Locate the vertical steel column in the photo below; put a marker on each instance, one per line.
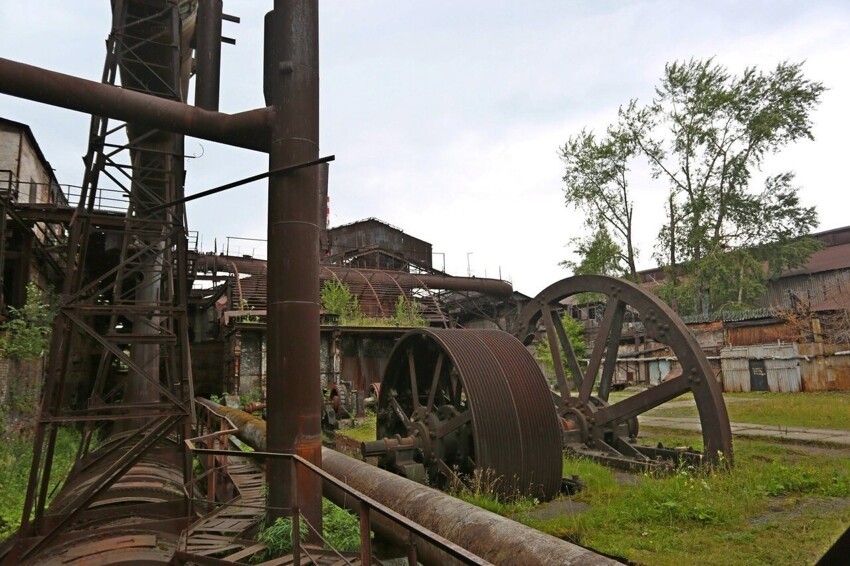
(291, 86)
(208, 54)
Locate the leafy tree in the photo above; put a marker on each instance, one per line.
(599, 253)
(705, 135)
(596, 182)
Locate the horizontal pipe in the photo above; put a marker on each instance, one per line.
(488, 535)
(249, 130)
(495, 287)
(492, 537)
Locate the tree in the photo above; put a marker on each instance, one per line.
(706, 135)
(599, 254)
(596, 182)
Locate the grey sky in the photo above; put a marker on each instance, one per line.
(446, 117)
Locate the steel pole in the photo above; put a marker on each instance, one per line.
(294, 397)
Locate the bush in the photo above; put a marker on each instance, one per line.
(340, 529)
(26, 335)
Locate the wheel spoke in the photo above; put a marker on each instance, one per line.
(611, 350)
(454, 423)
(551, 335)
(414, 386)
(609, 331)
(400, 412)
(643, 401)
(572, 359)
(435, 382)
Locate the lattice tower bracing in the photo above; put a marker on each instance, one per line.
(119, 359)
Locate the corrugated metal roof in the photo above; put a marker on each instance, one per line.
(828, 259)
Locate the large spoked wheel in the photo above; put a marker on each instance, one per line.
(600, 429)
(460, 403)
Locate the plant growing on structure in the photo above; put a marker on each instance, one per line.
(408, 312)
(341, 531)
(26, 335)
(248, 318)
(338, 299)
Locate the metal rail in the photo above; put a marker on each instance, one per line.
(300, 466)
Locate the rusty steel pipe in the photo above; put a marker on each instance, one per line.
(294, 394)
(246, 129)
(251, 429)
(495, 287)
(208, 54)
(490, 536)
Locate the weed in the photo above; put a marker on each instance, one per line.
(340, 529)
(482, 489)
(15, 462)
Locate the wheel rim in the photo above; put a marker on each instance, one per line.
(473, 402)
(662, 325)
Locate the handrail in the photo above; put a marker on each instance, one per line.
(364, 502)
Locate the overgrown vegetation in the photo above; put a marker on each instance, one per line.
(337, 299)
(26, 335)
(776, 493)
(482, 490)
(362, 429)
(408, 312)
(340, 529)
(15, 461)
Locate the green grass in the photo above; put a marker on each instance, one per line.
(817, 410)
(775, 494)
(15, 462)
(780, 504)
(362, 430)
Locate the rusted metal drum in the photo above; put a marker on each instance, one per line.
(461, 404)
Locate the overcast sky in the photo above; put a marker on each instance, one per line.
(446, 116)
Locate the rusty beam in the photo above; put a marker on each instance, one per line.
(246, 129)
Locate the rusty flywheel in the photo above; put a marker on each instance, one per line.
(602, 430)
(454, 403)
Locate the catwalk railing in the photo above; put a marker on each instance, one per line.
(222, 429)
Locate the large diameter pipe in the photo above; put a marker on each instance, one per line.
(248, 130)
(294, 393)
(485, 534)
(495, 287)
(208, 54)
